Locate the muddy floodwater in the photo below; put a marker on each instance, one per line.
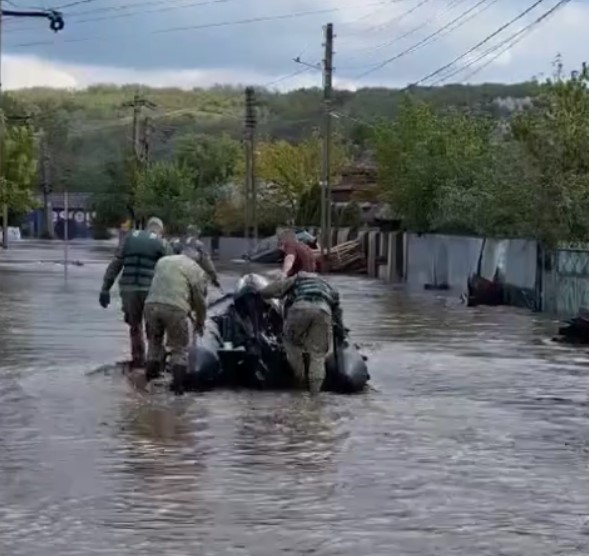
(473, 440)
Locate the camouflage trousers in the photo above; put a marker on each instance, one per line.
(308, 334)
(167, 320)
(133, 304)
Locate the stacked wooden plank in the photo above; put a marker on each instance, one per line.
(347, 257)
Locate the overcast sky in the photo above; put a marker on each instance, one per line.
(160, 43)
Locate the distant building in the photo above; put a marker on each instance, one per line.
(359, 186)
(80, 216)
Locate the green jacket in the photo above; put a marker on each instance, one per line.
(136, 258)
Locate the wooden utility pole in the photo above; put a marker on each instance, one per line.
(146, 131)
(137, 104)
(46, 185)
(326, 154)
(251, 222)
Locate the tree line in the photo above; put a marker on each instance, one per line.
(503, 160)
(527, 176)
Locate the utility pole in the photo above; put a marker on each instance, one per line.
(137, 104)
(326, 154)
(251, 200)
(146, 131)
(46, 185)
(56, 24)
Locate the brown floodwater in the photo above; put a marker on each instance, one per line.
(472, 440)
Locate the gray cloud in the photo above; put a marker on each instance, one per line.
(99, 34)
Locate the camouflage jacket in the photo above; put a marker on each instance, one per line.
(179, 281)
(203, 257)
(309, 288)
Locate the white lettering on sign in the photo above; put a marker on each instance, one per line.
(79, 216)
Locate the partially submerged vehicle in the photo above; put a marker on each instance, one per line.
(242, 348)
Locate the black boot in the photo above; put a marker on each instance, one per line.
(178, 379)
(153, 370)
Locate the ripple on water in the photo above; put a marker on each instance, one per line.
(473, 440)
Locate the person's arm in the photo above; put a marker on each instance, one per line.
(198, 296)
(279, 288)
(207, 264)
(337, 313)
(290, 256)
(113, 270)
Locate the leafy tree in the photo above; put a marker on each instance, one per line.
(166, 189)
(291, 171)
(555, 138)
(19, 168)
(430, 155)
(407, 173)
(211, 160)
(229, 217)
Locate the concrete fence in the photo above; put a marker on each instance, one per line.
(553, 281)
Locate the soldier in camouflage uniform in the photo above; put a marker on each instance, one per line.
(202, 256)
(312, 312)
(178, 294)
(136, 257)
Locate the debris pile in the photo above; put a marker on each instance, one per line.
(347, 257)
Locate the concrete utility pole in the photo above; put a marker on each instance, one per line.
(56, 24)
(326, 154)
(251, 194)
(137, 104)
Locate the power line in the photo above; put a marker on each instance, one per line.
(357, 19)
(285, 77)
(451, 5)
(511, 41)
(72, 4)
(110, 17)
(139, 9)
(400, 17)
(421, 43)
(484, 41)
(192, 27)
(373, 12)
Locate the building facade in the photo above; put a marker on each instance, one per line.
(80, 217)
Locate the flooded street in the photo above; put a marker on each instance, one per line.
(473, 440)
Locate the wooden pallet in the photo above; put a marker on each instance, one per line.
(347, 257)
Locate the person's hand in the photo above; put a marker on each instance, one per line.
(104, 299)
(199, 327)
(217, 284)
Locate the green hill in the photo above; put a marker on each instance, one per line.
(89, 130)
